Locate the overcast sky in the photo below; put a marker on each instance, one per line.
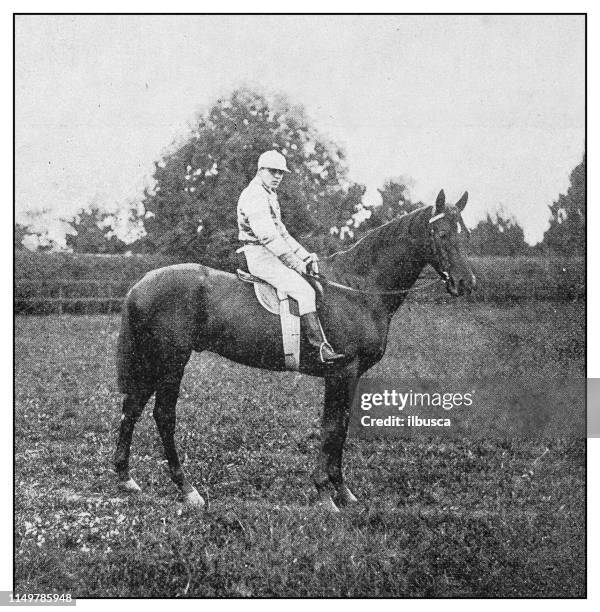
(489, 104)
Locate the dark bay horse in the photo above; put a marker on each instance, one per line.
(179, 309)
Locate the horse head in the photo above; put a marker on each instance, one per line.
(445, 229)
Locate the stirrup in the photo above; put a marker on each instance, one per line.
(334, 356)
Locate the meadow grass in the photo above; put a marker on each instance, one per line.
(441, 518)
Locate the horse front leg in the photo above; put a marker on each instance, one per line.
(165, 417)
(328, 476)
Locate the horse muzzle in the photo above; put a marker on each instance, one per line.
(462, 286)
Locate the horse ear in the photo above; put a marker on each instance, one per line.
(463, 201)
(440, 202)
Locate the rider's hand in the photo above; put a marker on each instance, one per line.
(311, 262)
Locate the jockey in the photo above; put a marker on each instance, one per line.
(272, 254)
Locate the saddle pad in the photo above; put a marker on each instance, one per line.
(279, 303)
(266, 294)
(267, 297)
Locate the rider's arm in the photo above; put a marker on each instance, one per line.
(296, 247)
(309, 259)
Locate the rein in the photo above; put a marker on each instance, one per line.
(438, 253)
(323, 279)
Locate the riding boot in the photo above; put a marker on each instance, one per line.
(316, 338)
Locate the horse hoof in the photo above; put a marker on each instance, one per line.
(129, 486)
(327, 504)
(193, 499)
(345, 496)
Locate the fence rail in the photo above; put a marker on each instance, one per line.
(58, 296)
(76, 296)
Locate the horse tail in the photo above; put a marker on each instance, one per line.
(134, 366)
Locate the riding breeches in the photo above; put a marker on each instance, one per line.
(265, 265)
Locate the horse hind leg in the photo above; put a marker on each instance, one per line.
(133, 406)
(345, 497)
(165, 417)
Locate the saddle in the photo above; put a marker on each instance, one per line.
(279, 302)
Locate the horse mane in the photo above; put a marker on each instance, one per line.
(361, 256)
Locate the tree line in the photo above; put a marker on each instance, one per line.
(190, 212)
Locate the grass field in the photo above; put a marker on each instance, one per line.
(435, 518)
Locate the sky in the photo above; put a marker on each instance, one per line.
(490, 104)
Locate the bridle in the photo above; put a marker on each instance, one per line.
(443, 265)
(439, 256)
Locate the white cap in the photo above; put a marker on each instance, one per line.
(272, 159)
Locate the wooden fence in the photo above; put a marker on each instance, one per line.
(69, 296)
(59, 296)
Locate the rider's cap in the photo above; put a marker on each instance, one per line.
(272, 159)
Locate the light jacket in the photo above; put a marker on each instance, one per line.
(259, 221)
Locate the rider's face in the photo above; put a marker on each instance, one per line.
(271, 177)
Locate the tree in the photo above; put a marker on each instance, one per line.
(191, 210)
(566, 234)
(498, 235)
(34, 235)
(93, 233)
(21, 231)
(345, 208)
(395, 202)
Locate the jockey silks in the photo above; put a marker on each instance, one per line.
(259, 221)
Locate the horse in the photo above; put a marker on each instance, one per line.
(175, 310)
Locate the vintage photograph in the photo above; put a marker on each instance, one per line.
(299, 306)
